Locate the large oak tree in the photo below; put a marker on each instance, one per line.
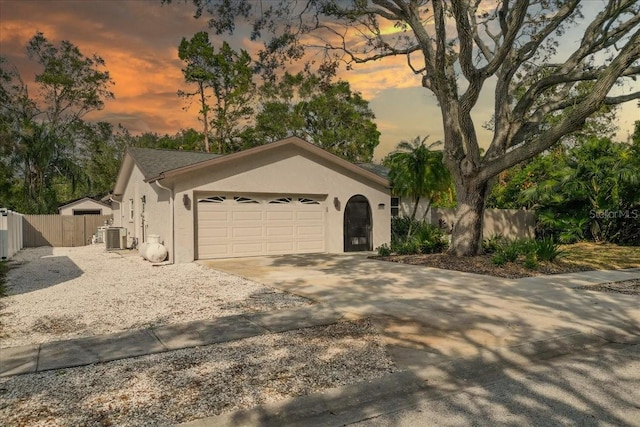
(457, 47)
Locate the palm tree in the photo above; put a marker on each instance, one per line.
(415, 171)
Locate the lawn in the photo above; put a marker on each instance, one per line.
(582, 256)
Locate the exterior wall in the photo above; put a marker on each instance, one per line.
(405, 207)
(83, 205)
(151, 217)
(286, 170)
(510, 223)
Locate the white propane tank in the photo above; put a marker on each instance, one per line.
(142, 249)
(156, 252)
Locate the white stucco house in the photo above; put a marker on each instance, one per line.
(286, 197)
(85, 206)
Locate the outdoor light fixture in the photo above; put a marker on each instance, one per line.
(144, 199)
(381, 206)
(336, 203)
(186, 201)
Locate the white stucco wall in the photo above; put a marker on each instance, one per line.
(85, 205)
(156, 216)
(285, 170)
(406, 207)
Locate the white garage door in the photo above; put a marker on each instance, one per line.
(247, 225)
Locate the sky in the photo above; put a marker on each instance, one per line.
(138, 39)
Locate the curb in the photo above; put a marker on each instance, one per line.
(337, 406)
(402, 390)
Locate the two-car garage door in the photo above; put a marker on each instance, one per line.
(249, 225)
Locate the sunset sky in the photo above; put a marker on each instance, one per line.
(138, 40)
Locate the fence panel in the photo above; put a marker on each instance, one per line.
(10, 233)
(61, 230)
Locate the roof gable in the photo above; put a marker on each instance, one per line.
(159, 164)
(83, 199)
(154, 162)
(261, 149)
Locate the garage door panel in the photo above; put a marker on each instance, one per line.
(280, 247)
(213, 250)
(280, 215)
(310, 246)
(316, 231)
(253, 232)
(236, 228)
(309, 215)
(247, 248)
(246, 216)
(207, 216)
(280, 231)
(214, 233)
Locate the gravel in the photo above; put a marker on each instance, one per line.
(626, 287)
(62, 293)
(183, 385)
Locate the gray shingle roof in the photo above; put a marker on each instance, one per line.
(375, 168)
(154, 162)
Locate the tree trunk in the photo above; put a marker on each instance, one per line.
(466, 239)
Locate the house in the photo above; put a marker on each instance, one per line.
(400, 206)
(286, 197)
(84, 206)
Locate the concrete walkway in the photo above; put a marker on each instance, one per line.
(104, 348)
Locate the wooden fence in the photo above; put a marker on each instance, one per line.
(60, 230)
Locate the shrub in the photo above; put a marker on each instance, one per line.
(400, 226)
(384, 250)
(493, 243)
(510, 250)
(547, 249)
(430, 239)
(530, 261)
(409, 246)
(425, 238)
(498, 259)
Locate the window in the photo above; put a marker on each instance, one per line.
(131, 210)
(281, 201)
(306, 201)
(239, 199)
(213, 199)
(395, 206)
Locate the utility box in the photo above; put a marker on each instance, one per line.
(115, 238)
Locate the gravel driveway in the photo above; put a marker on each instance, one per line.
(61, 293)
(71, 292)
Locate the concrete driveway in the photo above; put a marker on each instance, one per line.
(433, 312)
(426, 314)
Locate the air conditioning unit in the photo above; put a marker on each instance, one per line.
(115, 238)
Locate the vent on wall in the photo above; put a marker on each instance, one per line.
(114, 238)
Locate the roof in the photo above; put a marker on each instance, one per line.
(160, 164)
(82, 199)
(379, 170)
(153, 162)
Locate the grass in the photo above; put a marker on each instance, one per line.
(601, 256)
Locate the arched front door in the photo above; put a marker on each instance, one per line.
(357, 225)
